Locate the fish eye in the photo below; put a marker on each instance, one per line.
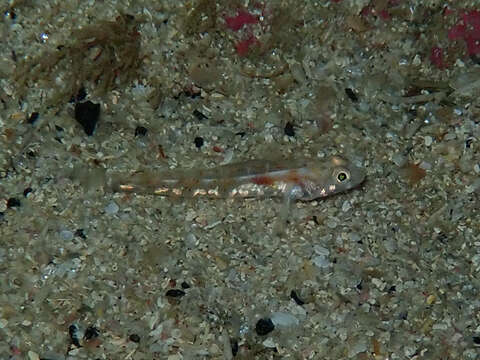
(343, 176)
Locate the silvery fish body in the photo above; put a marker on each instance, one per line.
(305, 179)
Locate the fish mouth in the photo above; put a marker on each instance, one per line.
(358, 176)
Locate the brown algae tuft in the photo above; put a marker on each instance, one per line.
(101, 55)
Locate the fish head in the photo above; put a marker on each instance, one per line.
(335, 176)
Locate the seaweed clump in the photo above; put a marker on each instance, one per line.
(101, 55)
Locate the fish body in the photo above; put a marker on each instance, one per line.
(303, 180)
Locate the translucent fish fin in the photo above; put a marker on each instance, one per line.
(293, 193)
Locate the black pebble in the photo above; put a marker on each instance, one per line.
(87, 115)
(80, 233)
(73, 333)
(475, 58)
(91, 333)
(33, 117)
(80, 96)
(27, 191)
(13, 202)
(359, 285)
(264, 326)
(289, 130)
(198, 142)
(175, 293)
(192, 94)
(351, 94)
(403, 315)
(135, 338)
(294, 296)
(476, 340)
(11, 14)
(141, 131)
(234, 343)
(185, 285)
(199, 115)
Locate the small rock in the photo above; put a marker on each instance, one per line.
(351, 95)
(476, 340)
(355, 237)
(199, 115)
(33, 355)
(141, 131)
(450, 136)
(269, 343)
(356, 348)
(234, 344)
(33, 117)
(91, 333)
(425, 165)
(190, 240)
(282, 319)
(13, 202)
(264, 326)
(289, 129)
(73, 333)
(331, 223)
(399, 159)
(112, 208)
(428, 140)
(79, 96)
(175, 293)
(198, 142)
(321, 261)
(294, 296)
(135, 338)
(80, 233)
(66, 235)
(27, 191)
(3, 323)
(346, 206)
(87, 115)
(320, 250)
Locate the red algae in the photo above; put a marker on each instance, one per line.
(436, 57)
(468, 29)
(243, 46)
(243, 17)
(413, 173)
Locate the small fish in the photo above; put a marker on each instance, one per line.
(303, 180)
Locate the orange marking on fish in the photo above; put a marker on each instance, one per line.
(263, 180)
(293, 177)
